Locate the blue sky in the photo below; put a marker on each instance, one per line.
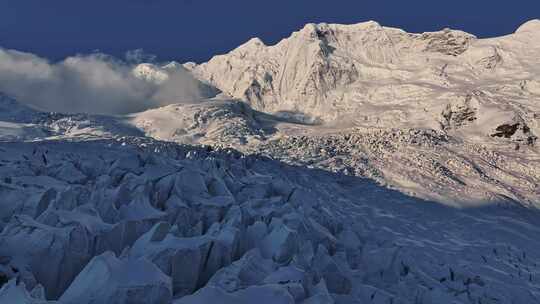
(194, 30)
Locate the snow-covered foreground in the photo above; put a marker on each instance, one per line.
(140, 221)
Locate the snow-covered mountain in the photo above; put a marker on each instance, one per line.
(172, 75)
(151, 73)
(443, 115)
(345, 164)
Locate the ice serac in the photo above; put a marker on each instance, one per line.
(67, 249)
(13, 292)
(108, 279)
(259, 294)
(181, 259)
(157, 222)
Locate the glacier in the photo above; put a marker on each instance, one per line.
(345, 164)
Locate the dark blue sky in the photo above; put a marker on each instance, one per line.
(194, 30)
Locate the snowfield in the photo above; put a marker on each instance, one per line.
(345, 164)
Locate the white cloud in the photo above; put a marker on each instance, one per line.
(138, 56)
(90, 84)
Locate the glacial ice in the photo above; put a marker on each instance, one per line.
(396, 186)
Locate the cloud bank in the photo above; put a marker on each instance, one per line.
(96, 83)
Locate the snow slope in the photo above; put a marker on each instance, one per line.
(205, 122)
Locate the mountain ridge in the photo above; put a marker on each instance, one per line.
(314, 65)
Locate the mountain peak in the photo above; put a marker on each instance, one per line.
(172, 66)
(532, 26)
(151, 73)
(253, 43)
(316, 30)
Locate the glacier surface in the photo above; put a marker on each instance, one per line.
(345, 164)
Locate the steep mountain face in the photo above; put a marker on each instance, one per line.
(384, 77)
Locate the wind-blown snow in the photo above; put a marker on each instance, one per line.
(93, 84)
